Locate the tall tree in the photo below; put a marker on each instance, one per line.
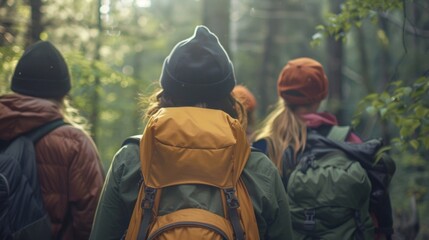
(95, 113)
(385, 57)
(36, 25)
(216, 18)
(272, 30)
(334, 66)
(7, 22)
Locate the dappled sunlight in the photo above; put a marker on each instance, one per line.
(375, 54)
(109, 116)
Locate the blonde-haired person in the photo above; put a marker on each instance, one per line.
(68, 164)
(302, 85)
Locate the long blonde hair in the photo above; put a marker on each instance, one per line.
(72, 116)
(282, 128)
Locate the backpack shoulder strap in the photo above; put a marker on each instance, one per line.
(36, 134)
(260, 145)
(253, 149)
(135, 139)
(339, 133)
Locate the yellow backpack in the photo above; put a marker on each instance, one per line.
(190, 145)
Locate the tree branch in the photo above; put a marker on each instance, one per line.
(408, 27)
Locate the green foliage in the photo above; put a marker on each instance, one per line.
(353, 12)
(84, 73)
(409, 181)
(9, 56)
(405, 107)
(116, 93)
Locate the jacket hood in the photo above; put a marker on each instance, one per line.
(19, 114)
(314, 120)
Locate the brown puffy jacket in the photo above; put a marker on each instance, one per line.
(69, 169)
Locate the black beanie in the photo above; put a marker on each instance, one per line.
(41, 72)
(198, 69)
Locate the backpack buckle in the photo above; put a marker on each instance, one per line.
(309, 222)
(149, 197)
(307, 162)
(231, 199)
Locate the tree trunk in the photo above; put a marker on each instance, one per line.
(265, 82)
(334, 68)
(94, 115)
(7, 24)
(36, 26)
(216, 18)
(385, 58)
(384, 69)
(363, 59)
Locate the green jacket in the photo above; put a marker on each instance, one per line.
(121, 187)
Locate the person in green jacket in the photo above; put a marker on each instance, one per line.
(197, 73)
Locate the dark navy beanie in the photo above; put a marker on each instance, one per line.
(41, 72)
(198, 69)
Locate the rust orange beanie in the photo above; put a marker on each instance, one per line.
(242, 94)
(302, 81)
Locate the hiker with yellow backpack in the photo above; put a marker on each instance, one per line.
(192, 174)
(337, 185)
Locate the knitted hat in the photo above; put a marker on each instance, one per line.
(41, 72)
(198, 69)
(242, 94)
(302, 81)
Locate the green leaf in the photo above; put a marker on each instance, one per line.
(371, 110)
(407, 90)
(320, 28)
(355, 122)
(414, 143)
(317, 36)
(425, 141)
(408, 126)
(383, 112)
(421, 111)
(397, 83)
(358, 24)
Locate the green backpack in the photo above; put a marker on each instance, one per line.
(329, 190)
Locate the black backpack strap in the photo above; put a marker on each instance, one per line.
(36, 134)
(289, 164)
(253, 149)
(261, 145)
(147, 206)
(288, 160)
(233, 205)
(135, 139)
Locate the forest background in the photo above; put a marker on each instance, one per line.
(375, 53)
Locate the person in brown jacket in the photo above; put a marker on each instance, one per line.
(68, 164)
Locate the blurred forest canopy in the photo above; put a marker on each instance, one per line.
(375, 54)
